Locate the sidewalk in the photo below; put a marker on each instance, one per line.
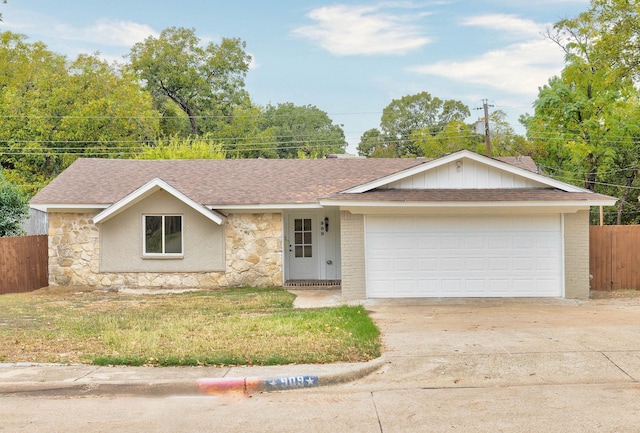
(58, 379)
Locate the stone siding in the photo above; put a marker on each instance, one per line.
(576, 255)
(353, 256)
(253, 256)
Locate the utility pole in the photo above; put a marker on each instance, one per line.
(487, 137)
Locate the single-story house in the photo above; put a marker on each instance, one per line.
(463, 225)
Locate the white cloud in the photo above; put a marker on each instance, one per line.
(512, 24)
(518, 68)
(106, 32)
(113, 32)
(364, 30)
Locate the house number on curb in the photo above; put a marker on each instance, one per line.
(291, 382)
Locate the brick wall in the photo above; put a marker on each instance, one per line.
(353, 257)
(576, 255)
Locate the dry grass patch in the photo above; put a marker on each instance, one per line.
(224, 327)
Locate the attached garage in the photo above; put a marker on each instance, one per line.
(464, 256)
(465, 225)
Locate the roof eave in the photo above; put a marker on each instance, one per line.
(145, 191)
(458, 204)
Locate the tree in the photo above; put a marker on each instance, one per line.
(374, 144)
(585, 120)
(54, 111)
(504, 140)
(455, 136)
(403, 117)
(305, 129)
(13, 208)
(616, 25)
(205, 82)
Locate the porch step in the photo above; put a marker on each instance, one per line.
(313, 284)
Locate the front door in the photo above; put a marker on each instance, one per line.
(302, 247)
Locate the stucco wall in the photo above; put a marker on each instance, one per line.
(121, 242)
(253, 244)
(576, 255)
(353, 256)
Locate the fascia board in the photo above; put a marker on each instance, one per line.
(71, 207)
(265, 207)
(458, 204)
(430, 165)
(148, 189)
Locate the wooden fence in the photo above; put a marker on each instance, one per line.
(614, 257)
(23, 263)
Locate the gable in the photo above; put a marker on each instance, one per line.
(485, 169)
(146, 191)
(464, 173)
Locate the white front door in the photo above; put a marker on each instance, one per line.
(302, 247)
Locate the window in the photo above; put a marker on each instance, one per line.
(302, 237)
(162, 235)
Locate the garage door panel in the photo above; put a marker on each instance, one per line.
(428, 264)
(463, 256)
(499, 287)
(451, 264)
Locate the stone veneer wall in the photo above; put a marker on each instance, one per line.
(576, 255)
(253, 250)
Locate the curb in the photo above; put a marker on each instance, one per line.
(252, 384)
(207, 386)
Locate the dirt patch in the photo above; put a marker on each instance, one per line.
(614, 294)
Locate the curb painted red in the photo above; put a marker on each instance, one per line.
(255, 384)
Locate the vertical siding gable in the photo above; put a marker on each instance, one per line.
(465, 174)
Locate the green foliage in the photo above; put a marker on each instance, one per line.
(54, 111)
(206, 83)
(13, 208)
(585, 125)
(403, 118)
(455, 136)
(374, 144)
(244, 135)
(303, 131)
(202, 147)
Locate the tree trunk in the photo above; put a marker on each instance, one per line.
(625, 194)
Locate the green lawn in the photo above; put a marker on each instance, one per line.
(243, 326)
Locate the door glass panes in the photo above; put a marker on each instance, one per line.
(302, 237)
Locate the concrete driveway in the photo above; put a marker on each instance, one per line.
(494, 343)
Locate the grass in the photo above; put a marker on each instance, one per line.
(244, 326)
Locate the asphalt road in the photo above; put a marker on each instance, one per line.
(475, 366)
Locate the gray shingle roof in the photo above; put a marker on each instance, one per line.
(218, 182)
(265, 182)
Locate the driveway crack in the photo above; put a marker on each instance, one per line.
(375, 408)
(619, 368)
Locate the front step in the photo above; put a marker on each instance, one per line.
(313, 284)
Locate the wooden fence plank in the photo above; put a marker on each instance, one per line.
(614, 257)
(23, 263)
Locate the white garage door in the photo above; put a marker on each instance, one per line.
(463, 256)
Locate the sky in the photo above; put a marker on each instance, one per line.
(348, 58)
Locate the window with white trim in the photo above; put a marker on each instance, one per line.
(162, 235)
